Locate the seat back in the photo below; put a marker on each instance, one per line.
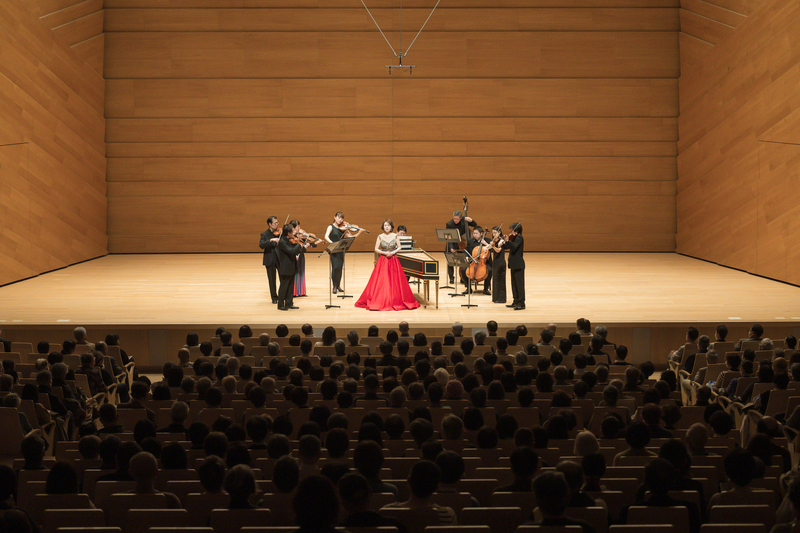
(597, 516)
(53, 519)
(232, 520)
(141, 520)
(200, 505)
(502, 519)
(415, 520)
(742, 514)
(678, 517)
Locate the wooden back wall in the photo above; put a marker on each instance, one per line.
(739, 162)
(52, 151)
(559, 114)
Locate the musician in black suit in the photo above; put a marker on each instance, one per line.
(516, 264)
(287, 267)
(473, 246)
(269, 243)
(462, 224)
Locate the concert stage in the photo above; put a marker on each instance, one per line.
(152, 301)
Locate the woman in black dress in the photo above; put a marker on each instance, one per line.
(498, 267)
(336, 232)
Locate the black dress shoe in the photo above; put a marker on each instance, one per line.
(519, 307)
(293, 307)
(465, 292)
(274, 300)
(282, 309)
(487, 291)
(512, 305)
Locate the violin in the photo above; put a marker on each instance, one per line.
(479, 271)
(346, 226)
(302, 238)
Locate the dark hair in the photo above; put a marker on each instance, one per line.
(62, 479)
(316, 504)
(212, 473)
(552, 492)
(423, 480)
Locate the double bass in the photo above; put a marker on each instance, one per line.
(478, 271)
(462, 244)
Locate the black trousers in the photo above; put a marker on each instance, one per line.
(337, 262)
(499, 282)
(286, 292)
(272, 274)
(518, 285)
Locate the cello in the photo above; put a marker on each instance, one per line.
(478, 271)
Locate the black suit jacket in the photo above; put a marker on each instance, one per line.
(463, 228)
(515, 250)
(287, 256)
(269, 247)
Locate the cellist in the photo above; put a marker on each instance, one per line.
(477, 245)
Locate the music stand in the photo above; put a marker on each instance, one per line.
(448, 235)
(457, 260)
(340, 246)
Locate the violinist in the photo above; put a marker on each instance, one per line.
(498, 266)
(269, 243)
(515, 246)
(336, 232)
(477, 247)
(462, 223)
(301, 237)
(288, 254)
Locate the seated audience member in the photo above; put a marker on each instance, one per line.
(355, 494)
(574, 475)
(368, 460)
(651, 415)
(524, 464)
(659, 478)
(174, 457)
(10, 514)
(240, 484)
(12, 400)
(552, 496)
(179, 412)
(316, 505)
(593, 466)
(789, 509)
(96, 383)
(309, 449)
(125, 452)
(585, 443)
(62, 479)
(32, 449)
(755, 333)
(637, 436)
(423, 480)
(144, 469)
(740, 468)
(696, 440)
(621, 353)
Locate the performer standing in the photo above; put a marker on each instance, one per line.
(335, 232)
(387, 289)
(302, 237)
(477, 245)
(515, 246)
(462, 223)
(269, 243)
(498, 266)
(287, 261)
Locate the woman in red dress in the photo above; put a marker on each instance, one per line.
(387, 289)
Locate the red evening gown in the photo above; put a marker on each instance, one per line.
(387, 289)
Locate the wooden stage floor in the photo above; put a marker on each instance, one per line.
(210, 289)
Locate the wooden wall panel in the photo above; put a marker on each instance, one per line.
(52, 157)
(360, 55)
(559, 114)
(738, 159)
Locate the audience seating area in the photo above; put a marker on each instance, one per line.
(527, 395)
